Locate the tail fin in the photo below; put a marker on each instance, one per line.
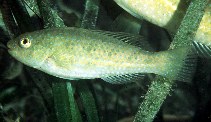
(181, 64)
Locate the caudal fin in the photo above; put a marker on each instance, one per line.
(181, 64)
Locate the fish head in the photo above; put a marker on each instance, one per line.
(31, 49)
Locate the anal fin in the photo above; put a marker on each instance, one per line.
(124, 79)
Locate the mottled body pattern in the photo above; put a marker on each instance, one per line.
(74, 53)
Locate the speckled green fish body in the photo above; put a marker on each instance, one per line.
(74, 53)
(168, 14)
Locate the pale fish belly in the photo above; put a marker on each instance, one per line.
(202, 40)
(80, 71)
(203, 34)
(159, 12)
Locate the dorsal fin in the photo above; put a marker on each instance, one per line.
(132, 39)
(123, 79)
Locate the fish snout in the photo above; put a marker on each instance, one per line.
(9, 45)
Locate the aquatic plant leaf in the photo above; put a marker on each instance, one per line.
(61, 100)
(13, 70)
(76, 116)
(66, 108)
(89, 22)
(161, 86)
(153, 99)
(41, 80)
(8, 19)
(50, 16)
(21, 15)
(64, 100)
(88, 101)
(189, 24)
(1, 112)
(90, 14)
(32, 4)
(2, 25)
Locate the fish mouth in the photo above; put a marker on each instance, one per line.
(8, 46)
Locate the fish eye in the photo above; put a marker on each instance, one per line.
(25, 43)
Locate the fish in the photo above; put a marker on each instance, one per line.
(168, 14)
(164, 13)
(116, 57)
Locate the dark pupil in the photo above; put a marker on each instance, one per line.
(25, 41)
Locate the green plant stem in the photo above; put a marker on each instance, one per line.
(90, 14)
(189, 24)
(76, 116)
(8, 19)
(63, 92)
(161, 86)
(50, 16)
(88, 101)
(21, 15)
(62, 106)
(153, 99)
(32, 4)
(66, 108)
(89, 22)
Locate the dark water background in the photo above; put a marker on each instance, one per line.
(26, 94)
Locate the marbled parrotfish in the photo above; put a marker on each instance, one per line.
(116, 57)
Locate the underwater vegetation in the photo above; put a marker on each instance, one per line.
(75, 61)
